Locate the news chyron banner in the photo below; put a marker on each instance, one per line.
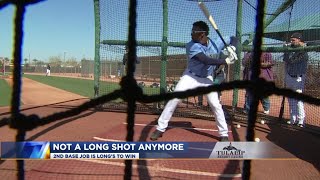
(142, 150)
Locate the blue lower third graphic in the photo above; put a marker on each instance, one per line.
(142, 150)
(25, 150)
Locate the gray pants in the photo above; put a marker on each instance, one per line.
(296, 107)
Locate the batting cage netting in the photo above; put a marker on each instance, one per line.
(163, 29)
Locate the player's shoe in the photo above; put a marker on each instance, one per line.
(155, 135)
(224, 139)
(301, 125)
(293, 123)
(266, 112)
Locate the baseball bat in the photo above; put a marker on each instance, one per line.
(212, 22)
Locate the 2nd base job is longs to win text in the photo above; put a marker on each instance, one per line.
(94, 155)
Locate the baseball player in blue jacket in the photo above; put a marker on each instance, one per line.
(203, 55)
(296, 64)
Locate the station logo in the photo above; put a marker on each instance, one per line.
(230, 152)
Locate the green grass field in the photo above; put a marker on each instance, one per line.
(6, 91)
(82, 87)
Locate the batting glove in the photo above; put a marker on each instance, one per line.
(230, 59)
(232, 50)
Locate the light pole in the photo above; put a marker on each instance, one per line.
(64, 57)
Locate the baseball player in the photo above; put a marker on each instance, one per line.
(125, 57)
(296, 64)
(203, 56)
(219, 76)
(48, 70)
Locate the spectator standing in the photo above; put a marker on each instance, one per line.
(296, 64)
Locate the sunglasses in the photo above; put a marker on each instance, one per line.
(194, 31)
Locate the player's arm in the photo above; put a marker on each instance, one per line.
(208, 60)
(266, 65)
(286, 55)
(232, 42)
(219, 69)
(298, 57)
(266, 61)
(195, 52)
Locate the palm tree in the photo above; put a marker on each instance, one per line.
(35, 61)
(6, 60)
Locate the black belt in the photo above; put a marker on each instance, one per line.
(195, 74)
(295, 76)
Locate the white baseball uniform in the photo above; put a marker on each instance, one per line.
(198, 74)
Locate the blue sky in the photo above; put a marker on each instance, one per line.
(58, 27)
(51, 28)
(55, 27)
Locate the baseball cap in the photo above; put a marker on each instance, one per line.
(297, 35)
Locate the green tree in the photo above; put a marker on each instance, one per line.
(6, 60)
(1, 63)
(40, 63)
(35, 61)
(71, 62)
(26, 64)
(55, 61)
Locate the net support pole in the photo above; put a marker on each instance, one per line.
(280, 10)
(96, 75)
(284, 49)
(237, 65)
(164, 48)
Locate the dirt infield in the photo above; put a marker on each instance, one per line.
(94, 125)
(35, 93)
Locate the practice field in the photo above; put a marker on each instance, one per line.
(83, 87)
(5, 93)
(94, 125)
